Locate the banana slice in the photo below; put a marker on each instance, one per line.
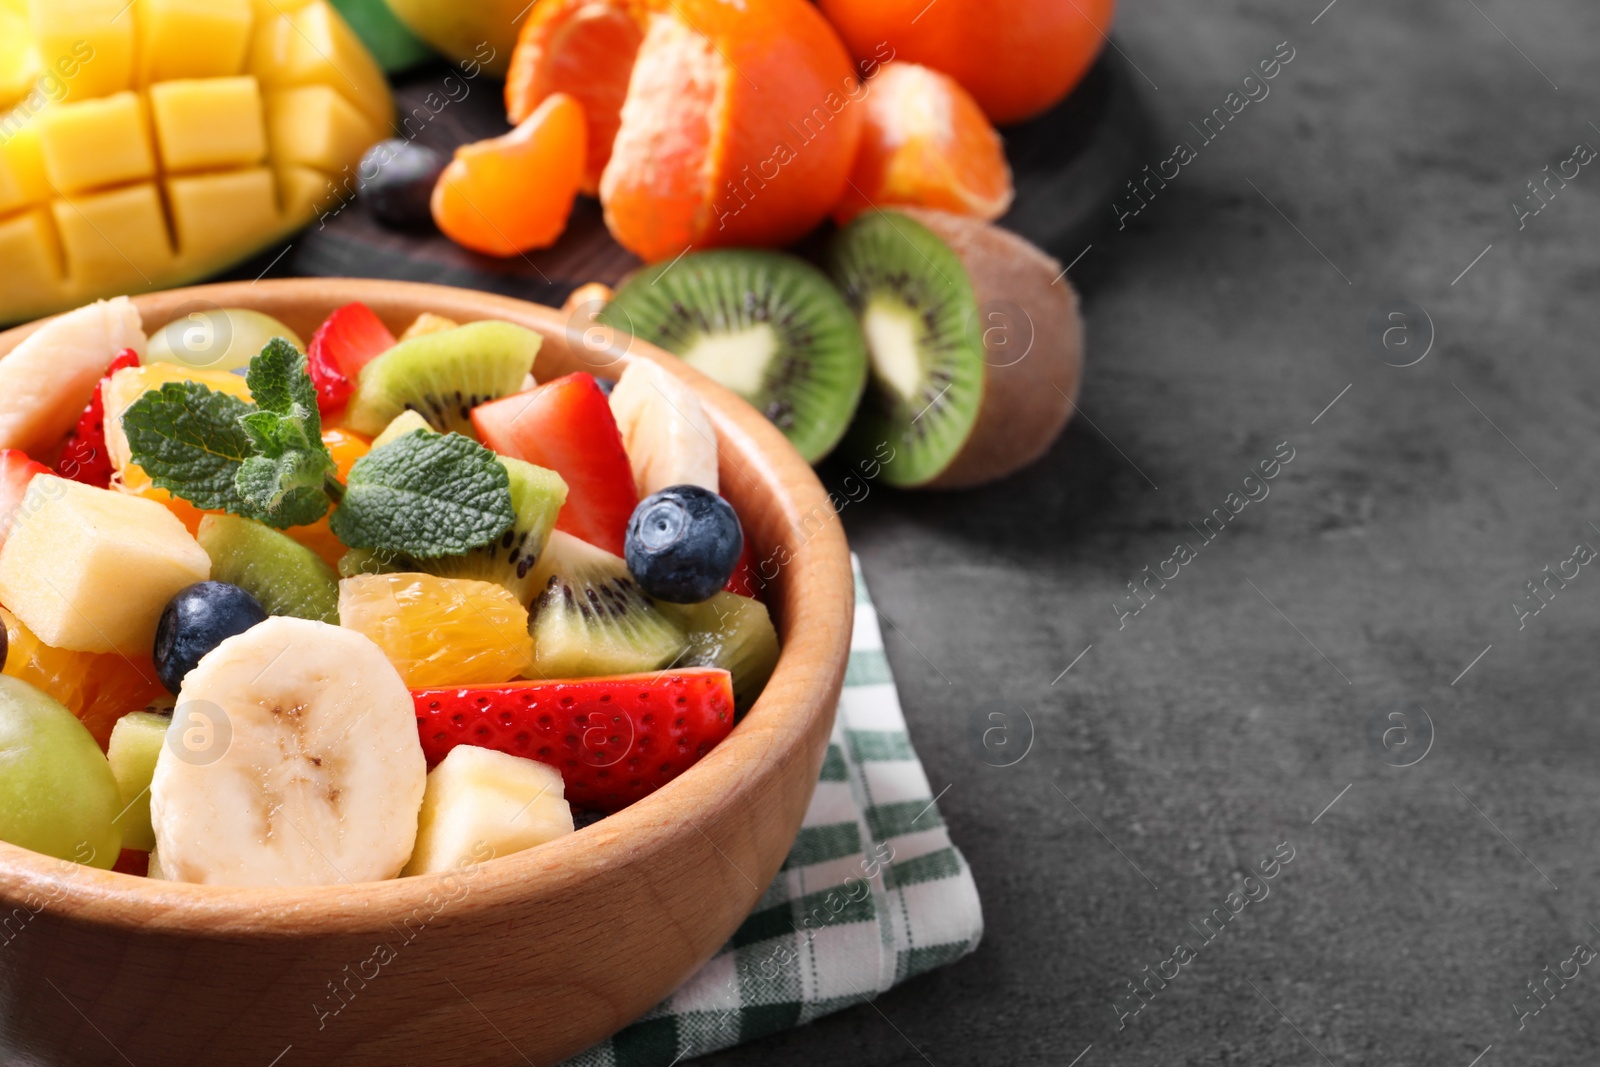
(293, 759)
(664, 429)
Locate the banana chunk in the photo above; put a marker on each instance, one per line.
(668, 438)
(293, 759)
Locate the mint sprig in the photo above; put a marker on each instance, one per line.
(425, 494)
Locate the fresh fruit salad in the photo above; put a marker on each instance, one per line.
(361, 609)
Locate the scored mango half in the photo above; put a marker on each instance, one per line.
(147, 145)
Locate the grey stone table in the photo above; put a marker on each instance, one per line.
(1354, 271)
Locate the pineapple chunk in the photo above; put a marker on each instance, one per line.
(32, 255)
(22, 177)
(317, 127)
(89, 43)
(130, 383)
(48, 378)
(192, 38)
(117, 238)
(96, 142)
(209, 123)
(136, 742)
(480, 803)
(91, 570)
(212, 212)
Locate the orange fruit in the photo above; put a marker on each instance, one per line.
(586, 50)
(737, 125)
(98, 687)
(1016, 59)
(926, 144)
(440, 631)
(510, 194)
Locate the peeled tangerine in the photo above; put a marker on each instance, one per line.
(926, 143)
(514, 193)
(481, 804)
(90, 569)
(167, 139)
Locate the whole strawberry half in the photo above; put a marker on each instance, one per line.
(614, 740)
(352, 337)
(84, 457)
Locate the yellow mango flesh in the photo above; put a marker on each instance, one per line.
(146, 145)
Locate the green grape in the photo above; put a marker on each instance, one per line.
(217, 339)
(57, 793)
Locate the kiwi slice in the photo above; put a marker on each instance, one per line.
(592, 618)
(284, 575)
(919, 315)
(536, 496)
(732, 632)
(442, 376)
(766, 325)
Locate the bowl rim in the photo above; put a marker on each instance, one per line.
(813, 579)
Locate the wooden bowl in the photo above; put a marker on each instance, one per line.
(530, 958)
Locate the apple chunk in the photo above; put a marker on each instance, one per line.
(90, 570)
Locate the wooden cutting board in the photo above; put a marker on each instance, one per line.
(1068, 164)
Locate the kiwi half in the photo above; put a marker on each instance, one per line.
(974, 342)
(536, 496)
(286, 577)
(443, 375)
(593, 619)
(766, 325)
(732, 632)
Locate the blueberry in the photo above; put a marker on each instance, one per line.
(396, 181)
(197, 620)
(683, 544)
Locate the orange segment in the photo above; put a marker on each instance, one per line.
(926, 144)
(511, 194)
(584, 48)
(98, 687)
(440, 631)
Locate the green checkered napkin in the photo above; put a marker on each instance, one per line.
(873, 892)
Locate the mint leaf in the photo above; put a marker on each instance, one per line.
(283, 492)
(280, 382)
(283, 481)
(190, 441)
(427, 495)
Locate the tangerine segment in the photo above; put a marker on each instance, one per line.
(740, 127)
(926, 144)
(510, 194)
(1016, 59)
(98, 687)
(440, 631)
(584, 48)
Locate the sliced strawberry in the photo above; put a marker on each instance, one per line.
(352, 337)
(84, 457)
(566, 425)
(614, 740)
(16, 471)
(744, 580)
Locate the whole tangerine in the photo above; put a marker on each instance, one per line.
(1016, 59)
